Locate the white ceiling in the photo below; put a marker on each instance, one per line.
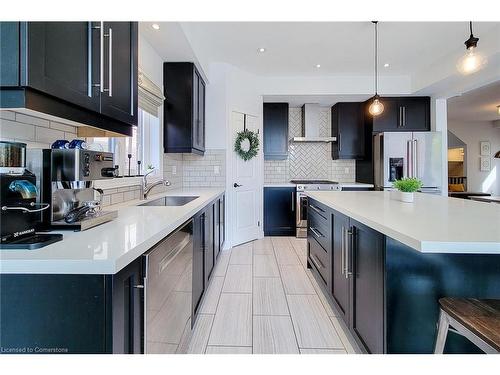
(476, 105)
(294, 48)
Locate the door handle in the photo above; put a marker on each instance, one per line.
(293, 201)
(236, 185)
(342, 251)
(347, 234)
(400, 117)
(408, 159)
(415, 159)
(340, 141)
(110, 69)
(316, 232)
(101, 60)
(316, 260)
(404, 116)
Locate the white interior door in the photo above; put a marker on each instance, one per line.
(245, 185)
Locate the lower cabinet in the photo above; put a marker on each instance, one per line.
(279, 211)
(128, 309)
(208, 226)
(355, 278)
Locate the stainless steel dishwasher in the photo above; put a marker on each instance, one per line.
(168, 292)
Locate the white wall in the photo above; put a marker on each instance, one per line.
(472, 133)
(150, 62)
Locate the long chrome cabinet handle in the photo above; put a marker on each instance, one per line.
(110, 69)
(340, 141)
(101, 60)
(293, 201)
(415, 158)
(404, 116)
(316, 232)
(408, 159)
(400, 124)
(318, 210)
(316, 260)
(347, 249)
(342, 251)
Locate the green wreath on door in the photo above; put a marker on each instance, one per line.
(246, 144)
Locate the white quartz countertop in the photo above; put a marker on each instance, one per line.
(432, 224)
(109, 247)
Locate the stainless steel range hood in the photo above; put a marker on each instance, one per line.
(310, 125)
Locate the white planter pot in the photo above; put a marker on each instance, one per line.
(406, 197)
(402, 196)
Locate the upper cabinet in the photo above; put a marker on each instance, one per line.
(348, 127)
(402, 114)
(275, 131)
(184, 109)
(80, 71)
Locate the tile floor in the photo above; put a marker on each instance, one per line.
(262, 299)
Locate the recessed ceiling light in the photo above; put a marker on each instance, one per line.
(155, 26)
(386, 65)
(262, 50)
(318, 66)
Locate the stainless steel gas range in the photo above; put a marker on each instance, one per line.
(301, 188)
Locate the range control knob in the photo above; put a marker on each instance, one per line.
(99, 157)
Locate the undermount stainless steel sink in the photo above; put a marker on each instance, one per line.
(170, 201)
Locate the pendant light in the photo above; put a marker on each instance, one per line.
(376, 107)
(472, 61)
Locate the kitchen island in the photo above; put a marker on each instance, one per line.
(385, 263)
(95, 292)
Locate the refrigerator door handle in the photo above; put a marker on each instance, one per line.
(409, 155)
(415, 158)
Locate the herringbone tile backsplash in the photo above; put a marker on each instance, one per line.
(308, 160)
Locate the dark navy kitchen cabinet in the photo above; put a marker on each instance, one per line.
(275, 119)
(184, 109)
(120, 79)
(73, 313)
(349, 129)
(401, 114)
(279, 211)
(57, 68)
(365, 266)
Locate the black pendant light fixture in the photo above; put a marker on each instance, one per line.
(472, 61)
(376, 106)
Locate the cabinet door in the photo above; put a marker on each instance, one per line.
(199, 124)
(198, 262)
(275, 131)
(390, 119)
(416, 113)
(217, 242)
(209, 242)
(222, 220)
(9, 53)
(367, 292)
(128, 309)
(348, 127)
(60, 61)
(340, 281)
(279, 211)
(119, 99)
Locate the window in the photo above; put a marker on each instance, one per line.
(144, 145)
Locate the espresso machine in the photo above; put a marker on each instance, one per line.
(67, 181)
(20, 202)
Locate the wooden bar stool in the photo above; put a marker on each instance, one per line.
(476, 319)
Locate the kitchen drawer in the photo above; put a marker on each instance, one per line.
(319, 229)
(319, 259)
(320, 212)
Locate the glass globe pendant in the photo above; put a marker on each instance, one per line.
(472, 61)
(376, 107)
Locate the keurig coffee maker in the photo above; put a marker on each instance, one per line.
(20, 206)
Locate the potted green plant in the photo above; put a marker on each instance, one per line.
(407, 186)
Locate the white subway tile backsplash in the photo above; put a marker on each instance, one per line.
(8, 115)
(63, 127)
(46, 135)
(12, 129)
(32, 120)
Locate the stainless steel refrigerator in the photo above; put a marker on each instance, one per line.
(408, 154)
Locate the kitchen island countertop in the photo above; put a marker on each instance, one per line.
(108, 248)
(432, 224)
